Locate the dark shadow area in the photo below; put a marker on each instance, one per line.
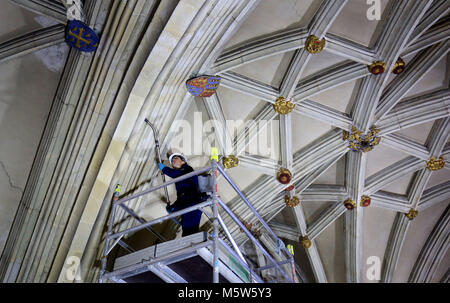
(302, 260)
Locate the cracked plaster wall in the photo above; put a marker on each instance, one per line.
(27, 88)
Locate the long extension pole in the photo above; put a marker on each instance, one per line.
(158, 152)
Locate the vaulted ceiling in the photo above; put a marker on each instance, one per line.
(91, 136)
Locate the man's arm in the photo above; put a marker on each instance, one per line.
(174, 173)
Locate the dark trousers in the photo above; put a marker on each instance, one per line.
(189, 222)
(189, 231)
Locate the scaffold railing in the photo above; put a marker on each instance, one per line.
(214, 202)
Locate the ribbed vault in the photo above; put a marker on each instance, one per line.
(95, 136)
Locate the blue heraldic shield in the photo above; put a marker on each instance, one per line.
(81, 36)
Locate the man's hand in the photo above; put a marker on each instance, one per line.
(161, 166)
(169, 208)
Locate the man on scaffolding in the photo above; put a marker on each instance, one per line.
(188, 193)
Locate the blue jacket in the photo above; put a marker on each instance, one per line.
(187, 194)
(186, 189)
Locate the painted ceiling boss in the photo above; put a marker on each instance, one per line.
(359, 142)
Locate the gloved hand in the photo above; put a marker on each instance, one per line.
(161, 166)
(169, 208)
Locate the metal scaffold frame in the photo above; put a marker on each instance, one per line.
(112, 239)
